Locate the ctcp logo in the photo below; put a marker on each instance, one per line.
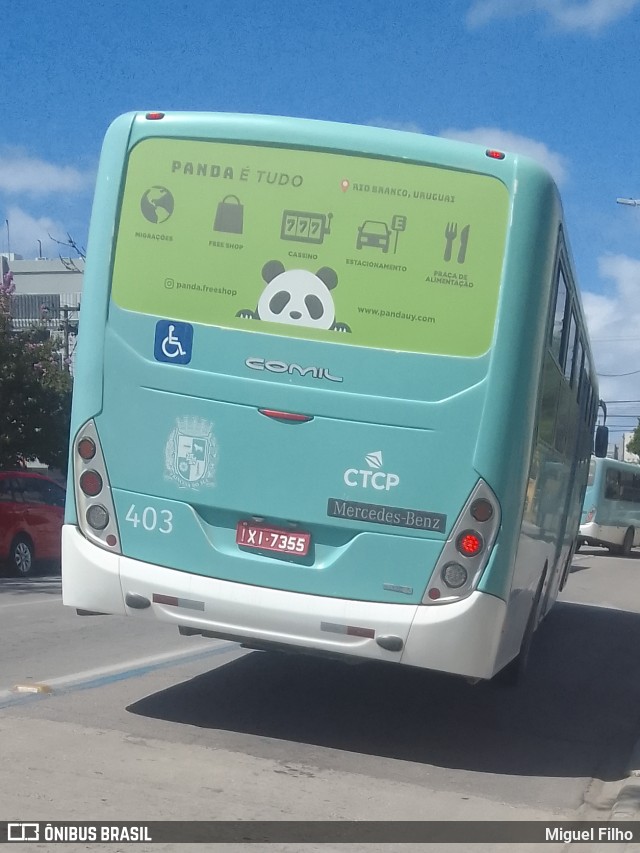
(372, 477)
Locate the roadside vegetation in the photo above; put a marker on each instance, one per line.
(35, 393)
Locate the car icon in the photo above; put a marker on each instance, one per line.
(374, 234)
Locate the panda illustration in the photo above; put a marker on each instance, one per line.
(298, 296)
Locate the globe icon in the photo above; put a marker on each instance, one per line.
(157, 205)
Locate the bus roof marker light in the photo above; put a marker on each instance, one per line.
(495, 155)
(154, 116)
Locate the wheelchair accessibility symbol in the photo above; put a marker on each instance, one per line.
(173, 342)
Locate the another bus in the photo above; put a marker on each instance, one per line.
(611, 509)
(334, 391)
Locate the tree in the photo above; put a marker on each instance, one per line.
(633, 446)
(71, 244)
(35, 393)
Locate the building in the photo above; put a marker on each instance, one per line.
(47, 293)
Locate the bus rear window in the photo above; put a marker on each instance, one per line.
(314, 245)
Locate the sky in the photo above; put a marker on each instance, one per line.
(558, 80)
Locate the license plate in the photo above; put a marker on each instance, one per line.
(272, 539)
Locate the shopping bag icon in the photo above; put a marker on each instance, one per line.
(229, 215)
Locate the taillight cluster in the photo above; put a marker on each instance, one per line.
(96, 512)
(467, 549)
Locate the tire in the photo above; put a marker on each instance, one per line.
(627, 542)
(21, 557)
(511, 675)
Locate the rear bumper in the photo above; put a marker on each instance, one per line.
(460, 638)
(600, 534)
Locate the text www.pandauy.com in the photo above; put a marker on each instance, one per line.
(397, 315)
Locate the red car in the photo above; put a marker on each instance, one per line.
(31, 515)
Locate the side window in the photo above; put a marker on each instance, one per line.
(580, 376)
(570, 347)
(558, 317)
(31, 492)
(52, 494)
(16, 487)
(5, 490)
(612, 486)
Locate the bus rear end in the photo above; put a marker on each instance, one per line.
(283, 372)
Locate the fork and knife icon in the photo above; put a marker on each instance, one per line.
(450, 233)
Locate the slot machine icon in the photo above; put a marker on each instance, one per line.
(305, 227)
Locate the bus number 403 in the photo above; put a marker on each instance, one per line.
(151, 519)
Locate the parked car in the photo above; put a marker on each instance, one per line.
(31, 514)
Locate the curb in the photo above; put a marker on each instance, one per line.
(627, 802)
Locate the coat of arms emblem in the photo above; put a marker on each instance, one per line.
(191, 453)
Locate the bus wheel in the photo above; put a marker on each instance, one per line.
(627, 542)
(511, 674)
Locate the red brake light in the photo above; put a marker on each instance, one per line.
(481, 510)
(285, 416)
(496, 155)
(469, 543)
(91, 483)
(86, 448)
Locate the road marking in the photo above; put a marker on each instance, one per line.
(28, 603)
(31, 688)
(101, 676)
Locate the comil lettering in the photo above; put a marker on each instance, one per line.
(284, 367)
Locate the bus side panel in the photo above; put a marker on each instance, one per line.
(87, 395)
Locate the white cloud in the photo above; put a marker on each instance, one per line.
(614, 327)
(22, 174)
(589, 16)
(25, 231)
(504, 140)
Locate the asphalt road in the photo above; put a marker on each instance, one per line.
(138, 723)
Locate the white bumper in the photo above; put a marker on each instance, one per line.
(602, 533)
(460, 638)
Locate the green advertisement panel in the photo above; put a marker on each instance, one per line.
(307, 244)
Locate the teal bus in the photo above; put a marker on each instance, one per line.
(611, 509)
(333, 393)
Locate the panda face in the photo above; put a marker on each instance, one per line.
(298, 297)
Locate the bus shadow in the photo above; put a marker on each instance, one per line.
(574, 715)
